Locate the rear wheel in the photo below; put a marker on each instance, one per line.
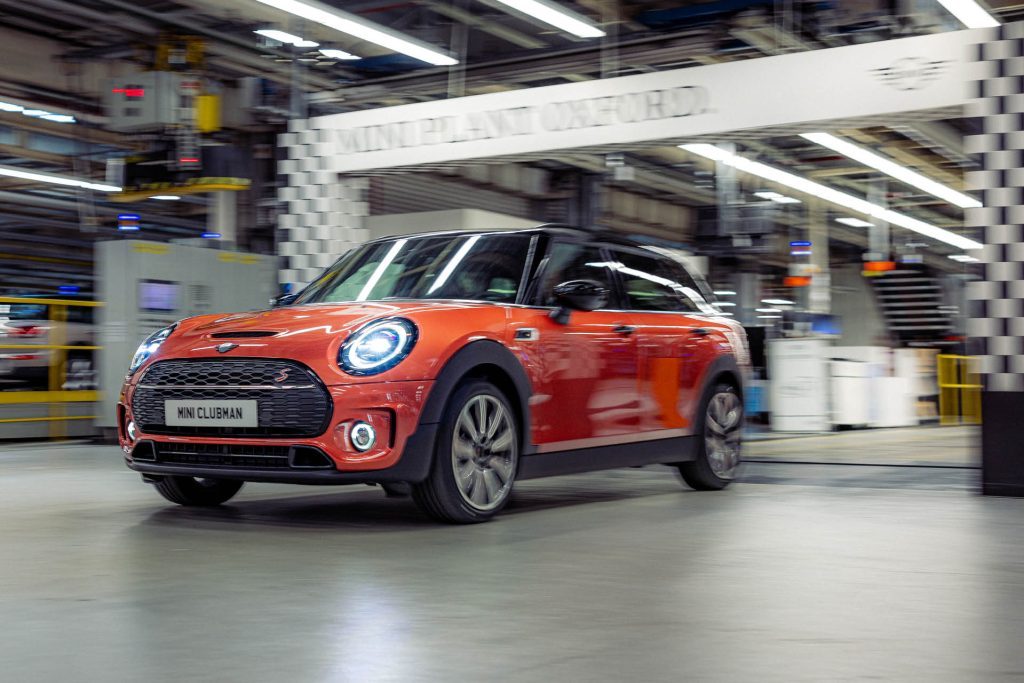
(720, 426)
(197, 492)
(475, 459)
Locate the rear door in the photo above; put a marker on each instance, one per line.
(586, 382)
(674, 344)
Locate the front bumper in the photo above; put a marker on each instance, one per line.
(402, 452)
(412, 466)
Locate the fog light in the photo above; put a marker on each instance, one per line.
(363, 436)
(130, 430)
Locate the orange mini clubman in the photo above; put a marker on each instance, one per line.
(450, 365)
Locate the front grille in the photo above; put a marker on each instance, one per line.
(299, 405)
(222, 455)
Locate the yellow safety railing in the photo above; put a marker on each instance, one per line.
(959, 390)
(55, 396)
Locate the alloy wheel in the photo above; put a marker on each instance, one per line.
(484, 452)
(722, 425)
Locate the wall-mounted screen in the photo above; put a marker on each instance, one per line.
(158, 295)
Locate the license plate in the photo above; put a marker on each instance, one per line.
(211, 413)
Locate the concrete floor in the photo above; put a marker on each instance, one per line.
(956, 446)
(796, 573)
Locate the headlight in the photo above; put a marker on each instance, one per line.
(377, 347)
(149, 347)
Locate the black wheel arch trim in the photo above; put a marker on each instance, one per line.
(462, 363)
(723, 365)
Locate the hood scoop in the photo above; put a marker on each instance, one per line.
(243, 334)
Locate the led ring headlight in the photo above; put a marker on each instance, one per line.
(149, 347)
(378, 346)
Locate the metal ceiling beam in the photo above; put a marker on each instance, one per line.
(476, 21)
(227, 46)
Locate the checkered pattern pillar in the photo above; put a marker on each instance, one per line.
(997, 316)
(326, 212)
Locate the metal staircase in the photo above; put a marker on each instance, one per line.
(912, 302)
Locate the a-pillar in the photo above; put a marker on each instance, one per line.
(997, 302)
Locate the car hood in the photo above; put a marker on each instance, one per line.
(307, 322)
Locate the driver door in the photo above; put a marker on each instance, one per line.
(587, 392)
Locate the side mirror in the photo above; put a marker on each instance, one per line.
(283, 300)
(578, 295)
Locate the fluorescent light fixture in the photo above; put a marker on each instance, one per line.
(777, 198)
(166, 197)
(768, 310)
(970, 13)
(338, 54)
(777, 302)
(37, 113)
(725, 304)
(770, 317)
(559, 17)
(128, 227)
(892, 169)
(358, 27)
(287, 38)
(210, 235)
(830, 195)
(854, 222)
(963, 258)
(54, 179)
(725, 292)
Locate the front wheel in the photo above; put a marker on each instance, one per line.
(475, 459)
(719, 427)
(197, 492)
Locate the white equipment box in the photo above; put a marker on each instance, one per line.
(799, 397)
(149, 285)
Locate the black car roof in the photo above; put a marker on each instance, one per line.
(596, 235)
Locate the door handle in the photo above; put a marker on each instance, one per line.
(700, 331)
(624, 329)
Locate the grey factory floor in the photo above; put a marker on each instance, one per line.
(798, 572)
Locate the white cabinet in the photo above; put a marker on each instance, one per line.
(798, 369)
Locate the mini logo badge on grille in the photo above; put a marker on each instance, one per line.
(282, 375)
(224, 348)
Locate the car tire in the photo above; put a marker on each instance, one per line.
(475, 457)
(194, 492)
(719, 427)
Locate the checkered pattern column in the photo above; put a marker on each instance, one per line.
(326, 212)
(997, 316)
(997, 302)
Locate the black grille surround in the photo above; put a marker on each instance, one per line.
(297, 406)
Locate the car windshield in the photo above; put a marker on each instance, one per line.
(480, 267)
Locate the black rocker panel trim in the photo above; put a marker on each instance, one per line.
(635, 454)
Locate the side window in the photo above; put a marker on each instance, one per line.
(566, 261)
(653, 284)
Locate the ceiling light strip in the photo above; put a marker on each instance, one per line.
(53, 179)
(362, 29)
(828, 194)
(970, 13)
(892, 169)
(559, 17)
